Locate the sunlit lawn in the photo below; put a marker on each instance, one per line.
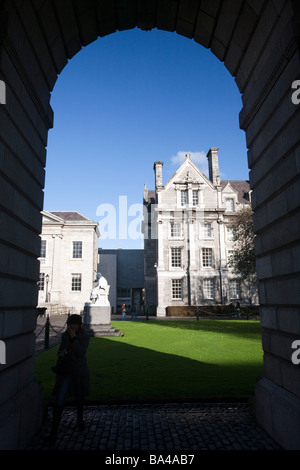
(169, 360)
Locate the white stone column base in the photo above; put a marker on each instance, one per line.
(161, 311)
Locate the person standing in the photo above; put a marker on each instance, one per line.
(75, 379)
(133, 312)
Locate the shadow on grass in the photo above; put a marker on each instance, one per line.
(122, 373)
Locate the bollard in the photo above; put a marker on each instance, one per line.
(47, 329)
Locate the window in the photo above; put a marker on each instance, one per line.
(77, 250)
(41, 282)
(234, 289)
(207, 230)
(230, 256)
(195, 198)
(208, 288)
(176, 257)
(76, 282)
(175, 229)
(229, 204)
(176, 289)
(207, 257)
(123, 292)
(43, 248)
(229, 233)
(184, 197)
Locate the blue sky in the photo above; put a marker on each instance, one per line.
(126, 101)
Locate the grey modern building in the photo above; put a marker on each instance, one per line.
(124, 272)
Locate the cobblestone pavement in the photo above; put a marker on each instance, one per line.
(158, 427)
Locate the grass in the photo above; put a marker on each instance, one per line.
(169, 360)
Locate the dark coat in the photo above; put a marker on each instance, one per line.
(76, 349)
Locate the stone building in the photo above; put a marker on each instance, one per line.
(188, 237)
(68, 261)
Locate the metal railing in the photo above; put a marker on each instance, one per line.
(46, 329)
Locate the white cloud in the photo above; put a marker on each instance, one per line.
(199, 158)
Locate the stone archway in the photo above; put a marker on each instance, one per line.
(259, 43)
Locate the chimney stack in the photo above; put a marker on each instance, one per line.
(158, 175)
(213, 165)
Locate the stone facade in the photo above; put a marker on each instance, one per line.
(188, 238)
(68, 261)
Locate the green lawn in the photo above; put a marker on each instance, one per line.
(169, 360)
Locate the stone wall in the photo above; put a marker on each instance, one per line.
(259, 44)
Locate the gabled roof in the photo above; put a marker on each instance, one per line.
(186, 165)
(242, 188)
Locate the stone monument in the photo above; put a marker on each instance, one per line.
(97, 312)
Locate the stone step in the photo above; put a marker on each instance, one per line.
(101, 330)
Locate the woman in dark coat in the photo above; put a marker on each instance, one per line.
(75, 380)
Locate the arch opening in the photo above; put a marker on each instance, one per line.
(259, 45)
(166, 99)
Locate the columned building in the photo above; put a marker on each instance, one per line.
(188, 229)
(68, 261)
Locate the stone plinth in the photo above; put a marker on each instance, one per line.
(96, 320)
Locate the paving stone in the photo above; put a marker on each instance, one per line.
(226, 426)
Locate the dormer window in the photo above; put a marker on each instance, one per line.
(229, 204)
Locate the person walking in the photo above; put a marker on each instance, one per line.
(231, 309)
(133, 312)
(74, 379)
(123, 311)
(238, 309)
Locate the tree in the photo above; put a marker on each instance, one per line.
(243, 261)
